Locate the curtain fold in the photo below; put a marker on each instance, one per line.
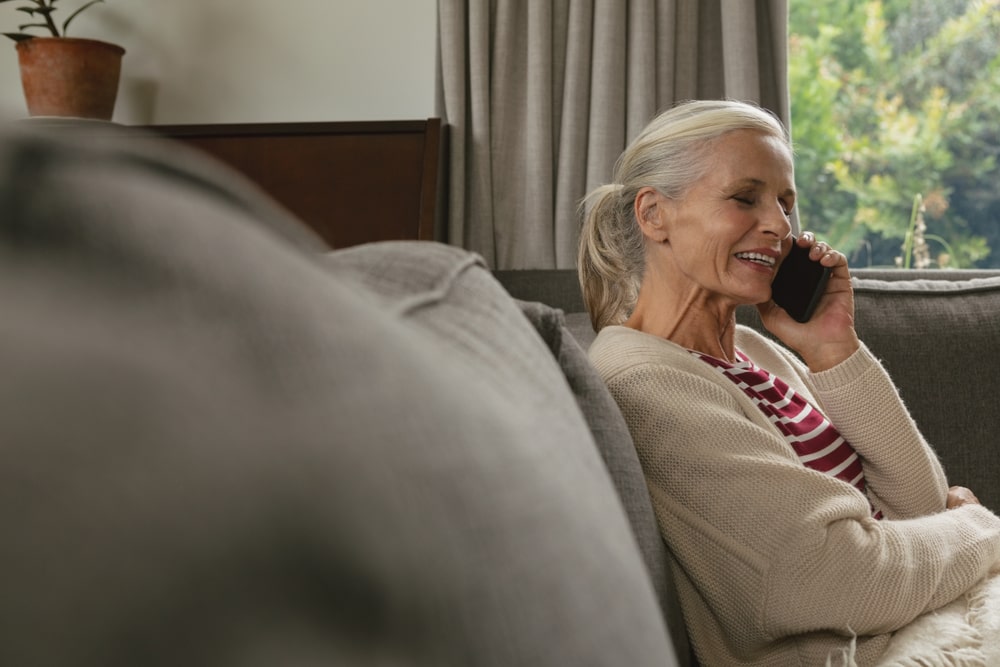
(540, 98)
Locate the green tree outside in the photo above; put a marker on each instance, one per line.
(896, 125)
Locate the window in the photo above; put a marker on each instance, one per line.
(896, 126)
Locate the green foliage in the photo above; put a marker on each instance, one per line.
(43, 10)
(894, 100)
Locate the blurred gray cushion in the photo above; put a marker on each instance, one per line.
(215, 450)
(583, 331)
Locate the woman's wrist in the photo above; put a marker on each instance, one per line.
(828, 355)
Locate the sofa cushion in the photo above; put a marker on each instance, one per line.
(215, 450)
(583, 331)
(620, 457)
(549, 514)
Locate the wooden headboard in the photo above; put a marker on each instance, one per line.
(351, 182)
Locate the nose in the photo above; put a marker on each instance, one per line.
(775, 221)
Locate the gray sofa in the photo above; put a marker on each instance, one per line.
(221, 445)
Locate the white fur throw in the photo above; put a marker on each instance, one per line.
(965, 633)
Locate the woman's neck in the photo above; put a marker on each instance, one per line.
(692, 322)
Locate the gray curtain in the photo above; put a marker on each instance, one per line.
(541, 96)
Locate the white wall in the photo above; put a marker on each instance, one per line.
(243, 61)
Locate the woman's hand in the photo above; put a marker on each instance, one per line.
(828, 338)
(958, 496)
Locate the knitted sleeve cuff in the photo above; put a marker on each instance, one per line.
(846, 371)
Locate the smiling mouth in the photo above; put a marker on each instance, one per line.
(757, 258)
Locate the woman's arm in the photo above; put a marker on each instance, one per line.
(903, 473)
(777, 549)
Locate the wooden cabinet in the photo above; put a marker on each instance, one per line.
(352, 182)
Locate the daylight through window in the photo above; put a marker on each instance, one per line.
(896, 125)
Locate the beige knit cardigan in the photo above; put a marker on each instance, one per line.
(777, 564)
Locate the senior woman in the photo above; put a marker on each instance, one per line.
(807, 519)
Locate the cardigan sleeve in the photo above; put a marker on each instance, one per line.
(902, 472)
(904, 476)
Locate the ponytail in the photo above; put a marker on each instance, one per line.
(611, 256)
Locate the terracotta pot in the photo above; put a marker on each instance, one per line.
(68, 76)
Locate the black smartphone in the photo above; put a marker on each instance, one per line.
(799, 283)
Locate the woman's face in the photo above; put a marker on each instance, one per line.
(727, 234)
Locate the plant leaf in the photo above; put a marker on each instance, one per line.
(42, 11)
(17, 36)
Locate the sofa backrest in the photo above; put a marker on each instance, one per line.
(936, 332)
(939, 339)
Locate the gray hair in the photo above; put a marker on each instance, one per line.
(670, 154)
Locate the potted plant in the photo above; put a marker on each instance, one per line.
(65, 76)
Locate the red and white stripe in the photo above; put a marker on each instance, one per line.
(814, 439)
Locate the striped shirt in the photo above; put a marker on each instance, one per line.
(814, 439)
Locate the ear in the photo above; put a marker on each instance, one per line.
(651, 211)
